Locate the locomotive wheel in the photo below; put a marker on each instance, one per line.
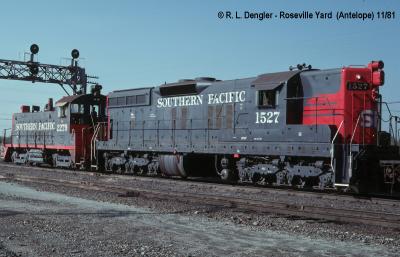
(121, 169)
(227, 175)
(256, 178)
(226, 169)
(130, 168)
(114, 168)
(358, 186)
(295, 181)
(140, 171)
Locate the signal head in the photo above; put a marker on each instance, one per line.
(34, 49)
(75, 54)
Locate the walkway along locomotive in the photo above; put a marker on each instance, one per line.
(303, 127)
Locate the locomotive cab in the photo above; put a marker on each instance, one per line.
(85, 114)
(82, 109)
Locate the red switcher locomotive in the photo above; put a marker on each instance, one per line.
(60, 135)
(304, 127)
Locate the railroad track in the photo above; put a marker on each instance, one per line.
(328, 195)
(214, 199)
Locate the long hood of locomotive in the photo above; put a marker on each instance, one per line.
(40, 129)
(220, 117)
(39, 121)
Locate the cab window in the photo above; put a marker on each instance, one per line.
(77, 108)
(94, 110)
(62, 111)
(267, 98)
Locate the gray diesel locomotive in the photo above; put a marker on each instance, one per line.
(302, 127)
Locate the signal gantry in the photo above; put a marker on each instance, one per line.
(73, 75)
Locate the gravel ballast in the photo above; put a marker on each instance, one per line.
(44, 220)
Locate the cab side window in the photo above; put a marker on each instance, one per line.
(77, 109)
(62, 111)
(267, 98)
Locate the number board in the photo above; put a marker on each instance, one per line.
(358, 86)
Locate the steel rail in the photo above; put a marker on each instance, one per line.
(328, 195)
(237, 203)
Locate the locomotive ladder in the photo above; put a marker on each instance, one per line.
(351, 144)
(333, 153)
(361, 116)
(98, 134)
(93, 145)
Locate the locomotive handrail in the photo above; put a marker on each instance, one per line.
(83, 142)
(333, 148)
(307, 97)
(73, 136)
(354, 131)
(92, 144)
(93, 141)
(394, 130)
(4, 141)
(299, 97)
(350, 145)
(389, 120)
